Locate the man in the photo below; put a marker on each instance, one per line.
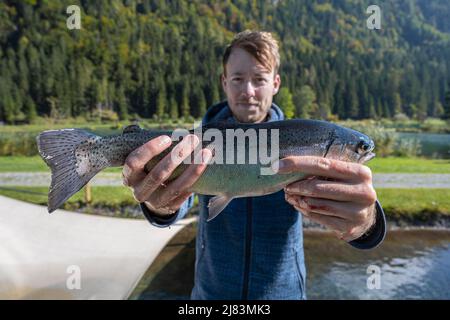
(254, 248)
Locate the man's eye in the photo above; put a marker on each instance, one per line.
(236, 79)
(261, 80)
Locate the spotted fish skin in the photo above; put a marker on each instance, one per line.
(76, 156)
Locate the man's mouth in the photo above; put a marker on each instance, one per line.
(248, 104)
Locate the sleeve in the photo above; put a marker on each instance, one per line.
(376, 235)
(160, 222)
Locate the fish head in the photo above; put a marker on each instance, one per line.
(351, 145)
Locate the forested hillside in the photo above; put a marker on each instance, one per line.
(157, 58)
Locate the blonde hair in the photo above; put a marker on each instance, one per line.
(261, 45)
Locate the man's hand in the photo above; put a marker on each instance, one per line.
(338, 195)
(150, 188)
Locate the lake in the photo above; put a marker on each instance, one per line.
(412, 264)
(432, 144)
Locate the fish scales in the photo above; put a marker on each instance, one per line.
(242, 170)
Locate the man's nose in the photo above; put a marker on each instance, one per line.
(249, 89)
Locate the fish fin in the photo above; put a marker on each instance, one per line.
(131, 129)
(71, 169)
(217, 204)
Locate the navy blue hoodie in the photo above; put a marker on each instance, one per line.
(254, 248)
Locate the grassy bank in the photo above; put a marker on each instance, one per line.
(109, 196)
(409, 165)
(30, 164)
(378, 165)
(414, 206)
(429, 125)
(21, 140)
(105, 127)
(107, 201)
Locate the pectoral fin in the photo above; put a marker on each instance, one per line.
(217, 204)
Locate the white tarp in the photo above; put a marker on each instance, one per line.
(51, 256)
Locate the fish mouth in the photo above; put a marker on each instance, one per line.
(366, 157)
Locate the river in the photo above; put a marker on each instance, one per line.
(434, 145)
(409, 264)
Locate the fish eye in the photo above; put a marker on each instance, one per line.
(364, 146)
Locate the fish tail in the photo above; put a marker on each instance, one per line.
(69, 154)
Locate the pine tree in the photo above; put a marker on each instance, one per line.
(201, 103)
(351, 100)
(173, 109)
(422, 107)
(438, 110)
(29, 109)
(339, 104)
(447, 106)
(372, 109)
(161, 101)
(307, 103)
(397, 103)
(121, 103)
(8, 108)
(185, 109)
(285, 102)
(129, 46)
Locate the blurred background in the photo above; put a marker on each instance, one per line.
(157, 63)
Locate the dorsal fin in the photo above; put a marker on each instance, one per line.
(133, 128)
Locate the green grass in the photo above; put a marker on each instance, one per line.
(420, 204)
(36, 128)
(113, 196)
(31, 164)
(378, 165)
(23, 164)
(409, 165)
(105, 200)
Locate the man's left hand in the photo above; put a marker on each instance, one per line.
(338, 194)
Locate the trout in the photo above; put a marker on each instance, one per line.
(244, 161)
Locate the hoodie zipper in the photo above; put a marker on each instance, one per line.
(248, 244)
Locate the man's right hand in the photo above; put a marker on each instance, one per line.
(150, 188)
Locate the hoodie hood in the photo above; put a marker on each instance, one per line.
(221, 112)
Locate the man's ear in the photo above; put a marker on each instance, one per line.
(276, 84)
(223, 80)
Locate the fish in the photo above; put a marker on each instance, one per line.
(75, 156)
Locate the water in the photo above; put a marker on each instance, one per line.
(413, 264)
(432, 144)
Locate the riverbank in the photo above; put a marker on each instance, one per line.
(404, 208)
(414, 264)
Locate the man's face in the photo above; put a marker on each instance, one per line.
(249, 87)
